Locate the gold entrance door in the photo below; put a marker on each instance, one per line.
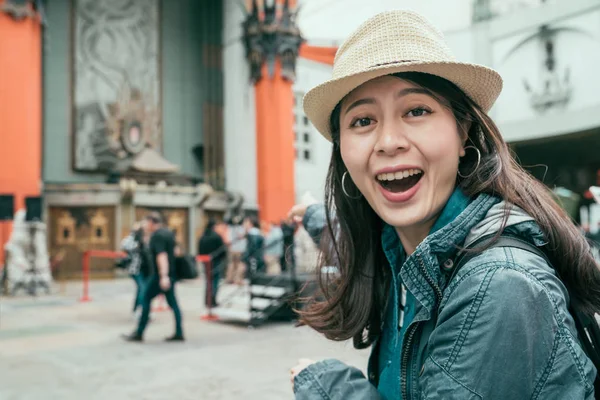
(73, 230)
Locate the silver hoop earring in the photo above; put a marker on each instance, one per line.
(476, 166)
(344, 188)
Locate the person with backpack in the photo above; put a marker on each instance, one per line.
(424, 201)
(162, 280)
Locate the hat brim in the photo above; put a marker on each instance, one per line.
(482, 84)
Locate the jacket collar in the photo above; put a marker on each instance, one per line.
(390, 241)
(422, 273)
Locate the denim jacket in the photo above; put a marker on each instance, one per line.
(500, 329)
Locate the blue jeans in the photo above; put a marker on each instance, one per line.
(140, 282)
(152, 290)
(214, 286)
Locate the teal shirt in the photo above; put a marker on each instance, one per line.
(390, 350)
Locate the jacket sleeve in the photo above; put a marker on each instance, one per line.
(498, 337)
(333, 380)
(315, 221)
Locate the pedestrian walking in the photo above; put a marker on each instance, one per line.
(162, 281)
(424, 201)
(137, 264)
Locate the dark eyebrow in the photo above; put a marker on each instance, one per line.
(402, 93)
(407, 91)
(359, 102)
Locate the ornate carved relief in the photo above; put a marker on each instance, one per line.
(272, 37)
(553, 88)
(19, 9)
(116, 82)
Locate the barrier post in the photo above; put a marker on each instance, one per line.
(206, 260)
(86, 277)
(87, 256)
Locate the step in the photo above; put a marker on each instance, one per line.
(273, 292)
(232, 314)
(239, 302)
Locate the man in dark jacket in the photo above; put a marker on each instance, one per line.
(162, 279)
(212, 244)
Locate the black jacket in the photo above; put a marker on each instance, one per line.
(212, 244)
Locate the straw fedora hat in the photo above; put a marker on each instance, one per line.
(392, 42)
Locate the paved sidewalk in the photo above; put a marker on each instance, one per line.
(53, 347)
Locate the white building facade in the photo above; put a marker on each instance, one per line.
(546, 51)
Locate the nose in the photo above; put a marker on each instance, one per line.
(391, 139)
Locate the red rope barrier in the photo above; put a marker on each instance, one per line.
(87, 256)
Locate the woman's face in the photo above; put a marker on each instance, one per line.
(402, 148)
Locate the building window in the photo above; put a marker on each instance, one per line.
(303, 130)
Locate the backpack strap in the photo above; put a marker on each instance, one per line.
(587, 327)
(503, 241)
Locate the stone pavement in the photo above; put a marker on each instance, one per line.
(53, 347)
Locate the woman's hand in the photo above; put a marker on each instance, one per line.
(297, 212)
(302, 363)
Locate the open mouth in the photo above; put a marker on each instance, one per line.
(400, 181)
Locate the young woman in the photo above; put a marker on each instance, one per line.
(418, 173)
(136, 264)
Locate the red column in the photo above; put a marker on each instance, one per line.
(20, 110)
(275, 145)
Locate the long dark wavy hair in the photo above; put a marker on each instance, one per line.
(351, 304)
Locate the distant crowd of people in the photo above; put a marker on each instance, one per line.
(240, 247)
(237, 248)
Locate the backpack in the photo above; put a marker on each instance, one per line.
(588, 329)
(185, 267)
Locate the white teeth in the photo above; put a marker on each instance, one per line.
(390, 176)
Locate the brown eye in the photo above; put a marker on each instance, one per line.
(362, 122)
(418, 112)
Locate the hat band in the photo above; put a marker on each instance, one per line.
(391, 62)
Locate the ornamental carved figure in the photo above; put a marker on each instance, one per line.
(274, 36)
(20, 9)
